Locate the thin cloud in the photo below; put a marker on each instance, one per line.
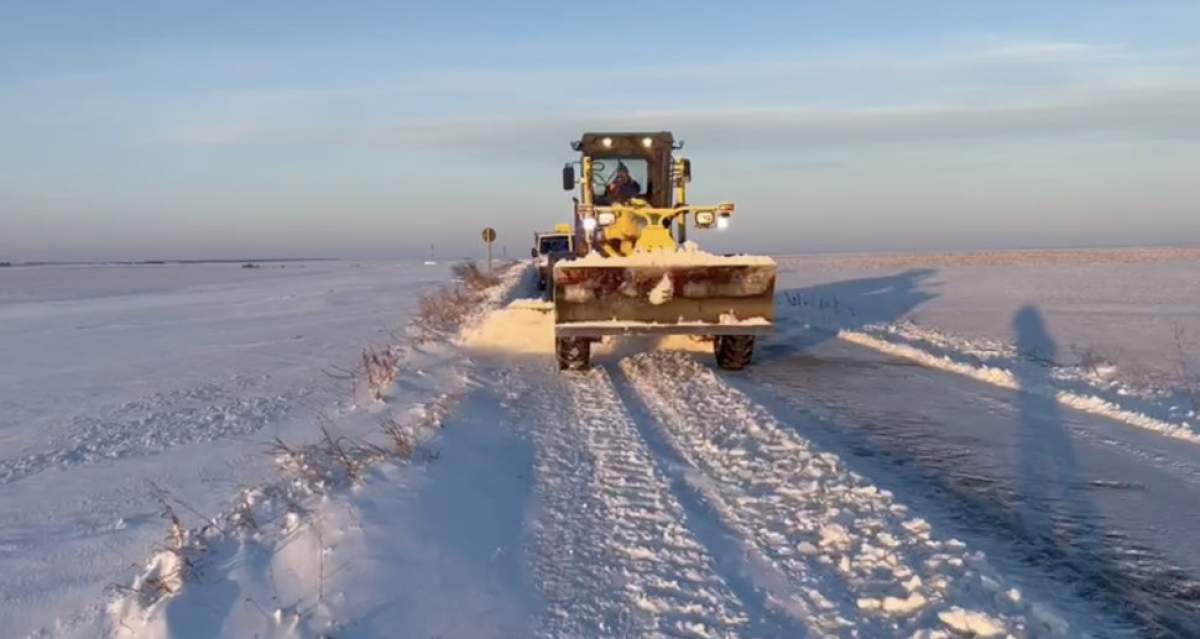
(1164, 113)
(1050, 52)
(857, 61)
(1091, 88)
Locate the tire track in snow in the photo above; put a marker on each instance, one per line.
(856, 561)
(613, 554)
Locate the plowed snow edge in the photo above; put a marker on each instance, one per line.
(1007, 379)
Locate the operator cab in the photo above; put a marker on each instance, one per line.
(645, 156)
(551, 244)
(620, 179)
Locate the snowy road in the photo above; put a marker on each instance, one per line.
(782, 472)
(1106, 509)
(610, 526)
(829, 490)
(665, 502)
(786, 474)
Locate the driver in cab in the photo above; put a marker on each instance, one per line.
(623, 187)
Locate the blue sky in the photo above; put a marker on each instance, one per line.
(143, 130)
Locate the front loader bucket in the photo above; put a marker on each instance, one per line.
(673, 293)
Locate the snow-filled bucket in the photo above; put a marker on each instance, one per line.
(684, 292)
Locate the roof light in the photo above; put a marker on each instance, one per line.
(723, 221)
(647, 142)
(607, 142)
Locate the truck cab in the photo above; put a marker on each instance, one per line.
(550, 247)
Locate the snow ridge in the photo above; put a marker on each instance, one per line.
(614, 554)
(857, 562)
(1006, 378)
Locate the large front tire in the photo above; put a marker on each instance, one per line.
(733, 351)
(574, 353)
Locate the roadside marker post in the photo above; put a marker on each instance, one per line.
(489, 236)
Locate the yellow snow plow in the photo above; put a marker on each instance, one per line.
(636, 273)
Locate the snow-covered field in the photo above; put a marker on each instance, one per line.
(930, 445)
(120, 383)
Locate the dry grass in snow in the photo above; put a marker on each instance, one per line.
(445, 309)
(332, 461)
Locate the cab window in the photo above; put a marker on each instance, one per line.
(554, 244)
(604, 170)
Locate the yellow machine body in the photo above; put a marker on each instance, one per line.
(636, 273)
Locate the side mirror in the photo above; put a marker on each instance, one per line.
(687, 169)
(568, 178)
(533, 253)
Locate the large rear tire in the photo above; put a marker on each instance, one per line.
(574, 353)
(733, 351)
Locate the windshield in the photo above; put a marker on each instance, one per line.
(554, 244)
(612, 184)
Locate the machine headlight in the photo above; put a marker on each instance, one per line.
(606, 217)
(647, 142)
(589, 224)
(607, 142)
(704, 218)
(723, 221)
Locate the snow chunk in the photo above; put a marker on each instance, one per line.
(971, 623)
(663, 291)
(918, 527)
(887, 540)
(869, 603)
(904, 607)
(835, 536)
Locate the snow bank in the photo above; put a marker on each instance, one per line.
(1138, 308)
(1008, 379)
(521, 327)
(526, 327)
(293, 557)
